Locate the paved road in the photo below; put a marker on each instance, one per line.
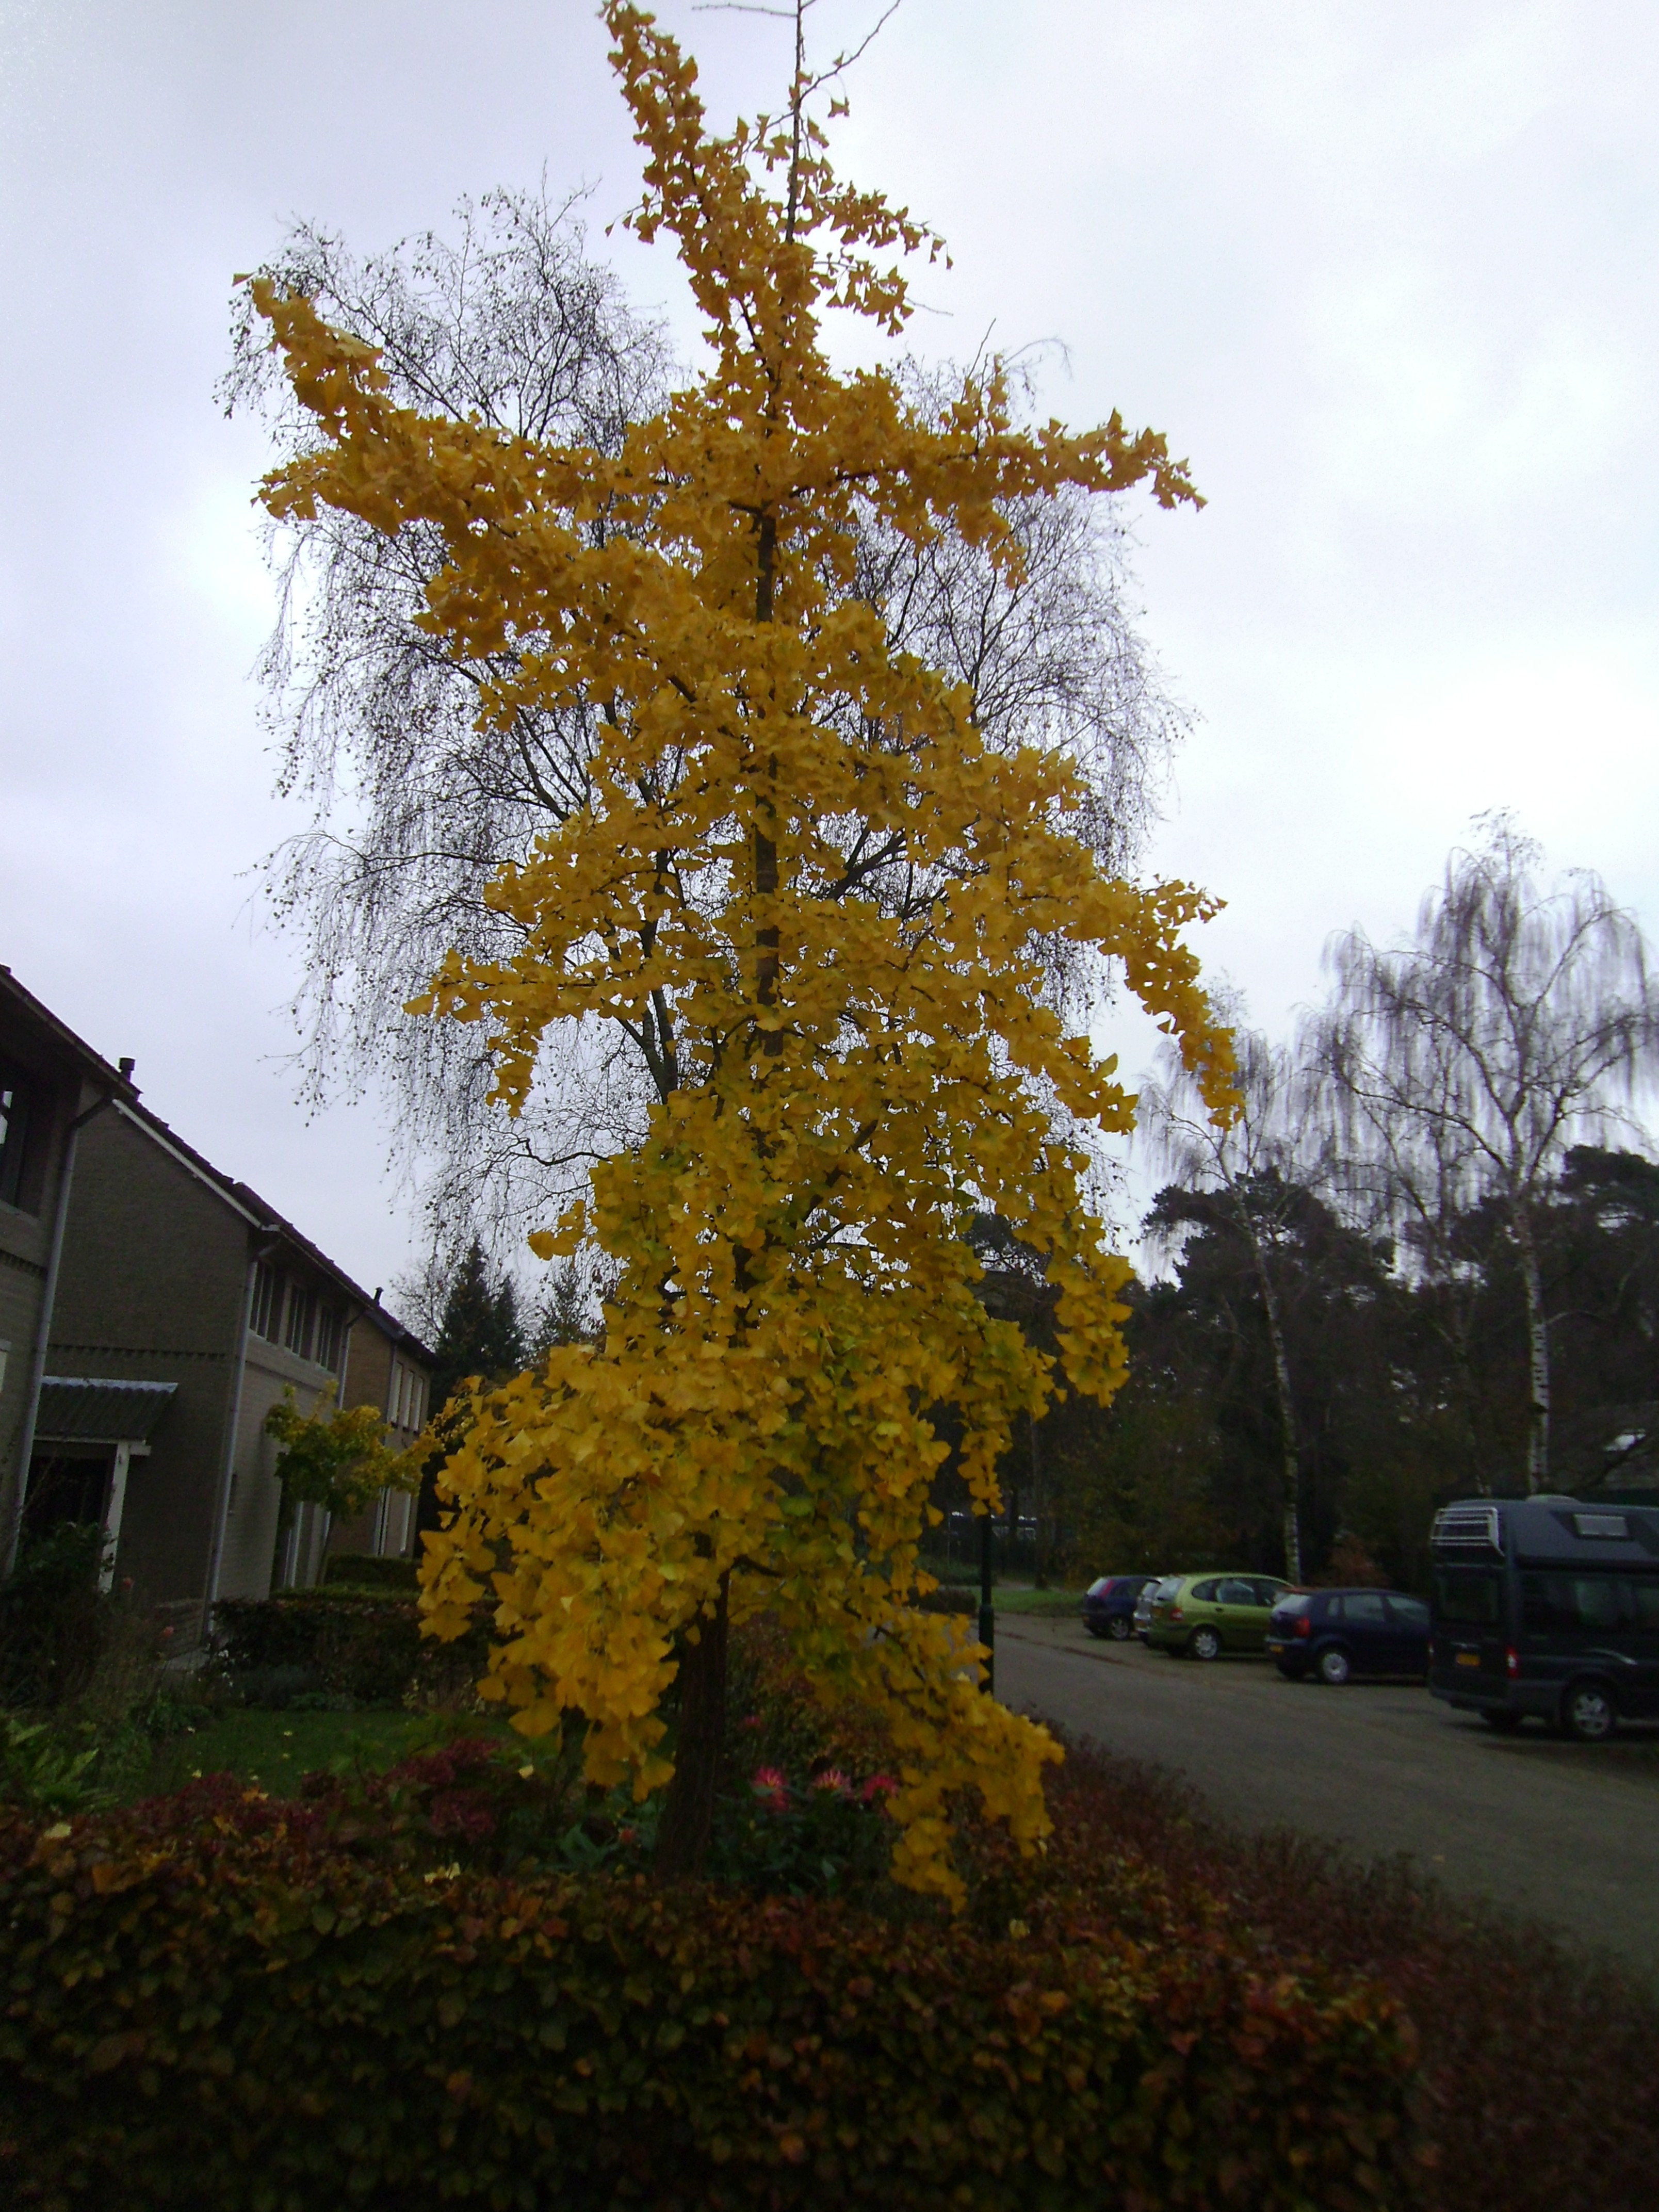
(1567, 1832)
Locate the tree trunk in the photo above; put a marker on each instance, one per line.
(1538, 1354)
(1287, 1413)
(688, 1816)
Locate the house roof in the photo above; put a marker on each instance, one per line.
(260, 1214)
(92, 1064)
(89, 1409)
(257, 1212)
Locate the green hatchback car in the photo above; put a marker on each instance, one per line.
(1201, 1616)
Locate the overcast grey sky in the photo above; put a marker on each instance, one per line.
(1386, 273)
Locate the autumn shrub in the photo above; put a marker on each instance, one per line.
(361, 1644)
(1537, 2059)
(364, 1570)
(950, 1597)
(218, 1999)
(53, 1617)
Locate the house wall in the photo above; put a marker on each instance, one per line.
(250, 1567)
(25, 1237)
(155, 1285)
(150, 1287)
(375, 1361)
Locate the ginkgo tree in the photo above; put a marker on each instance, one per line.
(829, 915)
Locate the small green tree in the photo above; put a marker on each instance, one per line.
(339, 1460)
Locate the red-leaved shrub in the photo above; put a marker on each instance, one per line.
(233, 2003)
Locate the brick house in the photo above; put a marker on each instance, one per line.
(184, 1306)
(49, 1082)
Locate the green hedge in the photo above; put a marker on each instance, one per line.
(232, 2011)
(363, 1571)
(357, 1644)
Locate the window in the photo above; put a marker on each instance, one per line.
(1204, 1593)
(14, 1102)
(1644, 1602)
(1360, 1606)
(1270, 1592)
(1236, 1593)
(1470, 1596)
(1602, 1524)
(329, 1333)
(301, 1318)
(408, 1397)
(1553, 1604)
(266, 1319)
(1410, 1611)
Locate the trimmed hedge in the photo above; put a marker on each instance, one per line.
(364, 1570)
(207, 2004)
(357, 1644)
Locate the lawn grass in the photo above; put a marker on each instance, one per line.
(1046, 1604)
(275, 1749)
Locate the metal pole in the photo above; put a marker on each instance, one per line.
(987, 1619)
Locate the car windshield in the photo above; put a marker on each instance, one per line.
(1103, 1582)
(1299, 1603)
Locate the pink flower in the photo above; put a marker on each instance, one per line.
(751, 1721)
(771, 1786)
(878, 1785)
(831, 1779)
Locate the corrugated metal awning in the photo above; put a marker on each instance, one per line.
(95, 1409)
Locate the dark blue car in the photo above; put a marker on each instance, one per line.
(1109, 1605)
(1333, 1634)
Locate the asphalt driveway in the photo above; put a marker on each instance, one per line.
(1567, 1832)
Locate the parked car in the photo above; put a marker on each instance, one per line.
(1332, 1634)
(1109, 1605)
(1142, 1616)
(1201, 1616)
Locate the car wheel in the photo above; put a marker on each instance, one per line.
(1588, 1713)
(1118, 1629)
(1333, 1668)
(1204, 1644)
(1505, 1723)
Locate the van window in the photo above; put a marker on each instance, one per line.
(1470, 1596)
(1554, 1602)
(1644, 1598)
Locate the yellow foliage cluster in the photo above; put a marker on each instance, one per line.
(813, 893)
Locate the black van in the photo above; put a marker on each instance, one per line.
(1547, 1605)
